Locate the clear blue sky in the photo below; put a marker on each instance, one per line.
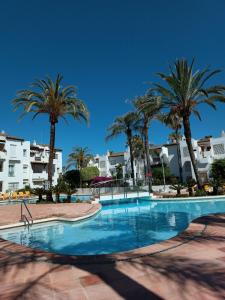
(110, 50)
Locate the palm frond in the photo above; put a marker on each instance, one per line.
(48, 97)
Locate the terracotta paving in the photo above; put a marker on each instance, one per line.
(10, 214)
(189, 266)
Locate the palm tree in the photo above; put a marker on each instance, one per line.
(125, 125)
(48, 97)
(138, 150)
(186, 90)
(175, 123)
(80, 157)
(149, 107)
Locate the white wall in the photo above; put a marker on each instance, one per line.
(17, 165)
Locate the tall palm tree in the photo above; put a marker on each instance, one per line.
(49, 97)
(184, 92)
(149, 107)
(175, 123)
(125, 125)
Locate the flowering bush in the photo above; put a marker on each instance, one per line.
(98, 179)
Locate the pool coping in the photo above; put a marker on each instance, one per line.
(53, 219)
(207, 198)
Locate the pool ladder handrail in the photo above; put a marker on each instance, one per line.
(23, 217)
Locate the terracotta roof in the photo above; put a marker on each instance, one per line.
(204, 140)
(116, 154)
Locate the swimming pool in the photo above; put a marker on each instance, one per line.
(74, 198)
(116, 228)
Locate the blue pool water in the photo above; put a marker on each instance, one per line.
(118, 227)
(74, 198)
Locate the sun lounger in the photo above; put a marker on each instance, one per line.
(27, 194)
(14, 195)
(21, 195)
(5, 196)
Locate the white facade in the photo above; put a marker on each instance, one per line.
(107, 164)
(206, 151)
(23, 163)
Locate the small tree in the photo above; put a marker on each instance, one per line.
(157, 174)
(217, 174)
(177, 187)
(59, 188)
(72, 177)
(39, 192)
(119, 171)
(89, 173)
(191, 182)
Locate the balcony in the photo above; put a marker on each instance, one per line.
(39, 159)
(205, 160)
(2, 155)
(39, 176)
(155, 161)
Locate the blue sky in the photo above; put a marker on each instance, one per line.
(110, 50)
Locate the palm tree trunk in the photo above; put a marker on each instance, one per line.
(144, 157)
(179, 160)
(187, 133)
(51, 157)
(80, 178)
(129, 137)
(148, 163)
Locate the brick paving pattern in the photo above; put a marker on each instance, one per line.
(10, 214)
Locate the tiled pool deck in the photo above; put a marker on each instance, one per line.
(189, 266)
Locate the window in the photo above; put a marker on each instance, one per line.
(11, 170)
(12, 150)
(1, 166)
(102, 164)
(2, 146)
(25, 169)
(218, 149)
(25, 182)
(38, 168)
(113, 161)
(24, 152)
(13, 186)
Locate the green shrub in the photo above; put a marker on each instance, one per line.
(200, 193)
(89, 173)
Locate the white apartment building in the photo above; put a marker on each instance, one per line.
(23, 163)
(107, 164)
(206, 151)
